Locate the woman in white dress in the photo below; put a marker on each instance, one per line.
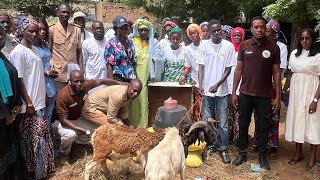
(303, 116)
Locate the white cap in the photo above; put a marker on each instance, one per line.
(79, 14)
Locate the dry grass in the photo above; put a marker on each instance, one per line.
(126, 169)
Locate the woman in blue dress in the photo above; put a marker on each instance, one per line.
(49, 71)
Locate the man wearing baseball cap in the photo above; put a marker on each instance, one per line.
(80, 19)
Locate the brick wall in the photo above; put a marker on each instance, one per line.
(106, 12)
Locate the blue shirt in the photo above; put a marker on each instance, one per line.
(51, 86)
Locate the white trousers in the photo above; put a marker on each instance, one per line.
(68, 136)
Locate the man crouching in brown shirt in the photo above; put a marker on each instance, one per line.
(110, 104)
(70, 99)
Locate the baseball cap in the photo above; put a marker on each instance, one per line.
(119, 21)
(79, 14)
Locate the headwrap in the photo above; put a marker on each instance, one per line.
(23, 24)
(142, 23)
(155, 52)
(274, 25)
(175, 30)
(226, 30)
(204, 23)
(196, 27)
(236, 46)
(5, 83)
(169, 23)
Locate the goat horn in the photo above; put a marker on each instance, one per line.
(199, 124)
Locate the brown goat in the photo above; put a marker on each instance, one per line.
(109, 138)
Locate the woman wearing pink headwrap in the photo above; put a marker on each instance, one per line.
(194, 32)
(237, 36)
(167, 27)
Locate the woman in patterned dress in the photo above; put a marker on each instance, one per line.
(174, 57)
(35, 141)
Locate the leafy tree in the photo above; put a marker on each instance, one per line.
(252, 8)
(40, 8)
(299, 12)
(225, 10)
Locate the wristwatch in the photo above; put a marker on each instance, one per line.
(315, 100)
(88, 132)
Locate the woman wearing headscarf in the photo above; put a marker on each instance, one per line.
(205, 30)
(10, 106)
(191, 52)
(174, 57)
(237, 36)
(167, 27)
(120, 53)
(303, 115)
(36, 144)
(148, 53)
(226, 32)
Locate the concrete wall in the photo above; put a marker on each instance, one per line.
(106, 12)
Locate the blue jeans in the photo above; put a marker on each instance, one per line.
(217, 105)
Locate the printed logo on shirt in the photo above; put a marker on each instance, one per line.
(221, 54)
(74, 104)
(247, 52)
(266, 53)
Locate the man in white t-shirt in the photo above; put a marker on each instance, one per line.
(216, 59)
(93, 50)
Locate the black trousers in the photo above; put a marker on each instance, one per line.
(263, 108)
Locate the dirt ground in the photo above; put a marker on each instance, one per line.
(126, 169)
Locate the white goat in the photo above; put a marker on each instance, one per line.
(165, 160)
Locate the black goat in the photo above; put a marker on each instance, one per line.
(201, 131)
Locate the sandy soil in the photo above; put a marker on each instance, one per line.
(126, 169)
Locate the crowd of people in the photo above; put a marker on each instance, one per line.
(64, 81)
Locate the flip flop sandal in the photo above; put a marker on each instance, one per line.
(294, 162)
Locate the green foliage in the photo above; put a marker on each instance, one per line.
(253, 8)
(225, 10)
(293, 10)
(115, 1)
(296, 11)
(39, 8)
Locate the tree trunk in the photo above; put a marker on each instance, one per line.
(295, 33)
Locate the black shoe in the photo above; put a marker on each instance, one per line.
(225, 157)
(241, 158)
(264, 164)
(211, 151)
